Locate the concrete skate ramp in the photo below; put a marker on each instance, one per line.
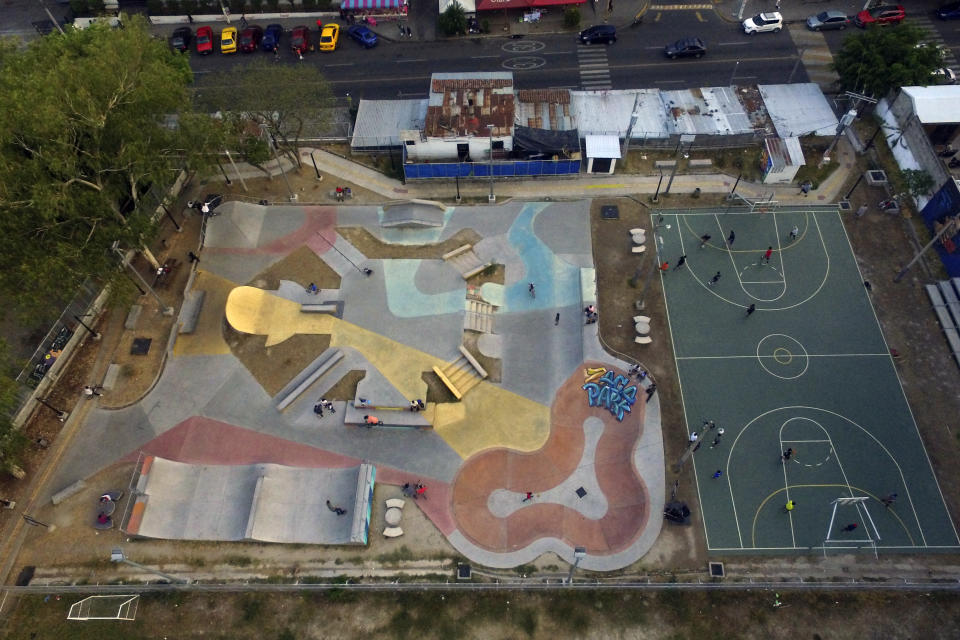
(260, 502)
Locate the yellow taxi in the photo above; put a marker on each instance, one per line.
(329, 36)
(228, 40)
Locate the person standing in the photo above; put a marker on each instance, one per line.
(794, 232)
(805, 188)
(731, 238)
(786, 455)
(664, 267)
(528, 497)
(704, 239)
(682, 260)
(717, 474)
(790, 506)
(192, 257)
(889, 500)
(716, 440)
(89, 391)
(714, 279)
(766, 255)
(861, 210)
(556, 319)
(243, 21)
(850, 527)
(751, 309)
(651, 390)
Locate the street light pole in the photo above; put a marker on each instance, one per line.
(334, 247)
(578, 554)
(167, 311)
(61, 414)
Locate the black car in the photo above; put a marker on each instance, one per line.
(949, 11)
(598, 34)
(180, 40)
(685, 48)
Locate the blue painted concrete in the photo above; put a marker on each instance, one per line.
(405, 300)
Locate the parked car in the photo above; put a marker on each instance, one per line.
(271, 37)
(763, 22)
(300, 39)
(887, 14)
(228, 40)
(250, 39)
(944, 76)
(363, 35)
(329, 35)
(180, 40)
(949, 11)
(828, 20)
(685, 48)
(204, 40)
(598, 34)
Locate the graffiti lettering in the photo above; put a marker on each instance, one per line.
(612, 392)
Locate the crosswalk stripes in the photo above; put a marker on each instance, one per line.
(925, 22)
(815, 55)
(594, 67)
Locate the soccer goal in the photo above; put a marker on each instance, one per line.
(104, 608)
(869, 535)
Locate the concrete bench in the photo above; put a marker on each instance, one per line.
(132, 317)
(113, 374)
(456, 252)
(318, 307)
(307, 377)
(664, 164)
(639, 249)
(643, 339)
(73, 489)
(190, 312)
(701, 162)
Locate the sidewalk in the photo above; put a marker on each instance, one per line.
(585, 186)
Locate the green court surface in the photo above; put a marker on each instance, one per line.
(809, 370)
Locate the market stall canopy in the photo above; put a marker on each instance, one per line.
(350, 5)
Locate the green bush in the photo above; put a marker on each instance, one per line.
(453, 21)
(97, 7)
(273, 4)
(80, 7)
(173, 7)
(485, 25)
(189, 6)
(237, 7)
(154, 7)
(571, 17)
(309, 4)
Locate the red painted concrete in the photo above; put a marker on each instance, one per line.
(626, 494)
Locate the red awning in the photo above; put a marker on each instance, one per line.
(493, 5)
(547, 3)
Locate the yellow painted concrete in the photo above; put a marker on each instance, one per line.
(207, 337)
(259, 312)
(488, 416)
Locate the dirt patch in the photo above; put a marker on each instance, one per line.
(495, 273)
(303, 182)
(436, 390)
(346, 387)
(375, 249)
(617, 269)
(275, 366)
(302, 266)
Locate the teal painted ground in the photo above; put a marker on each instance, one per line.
(809, 370)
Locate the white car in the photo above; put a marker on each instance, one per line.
(763, 22)
(944, 76)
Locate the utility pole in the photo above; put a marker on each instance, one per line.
(950, 226)
(796, 65)
(687, 137)
(845, 122)
(117, 555)
(55, 22)
(578, 554)
(491, 198)
(634, 115)
(167, 311)
(235, 170)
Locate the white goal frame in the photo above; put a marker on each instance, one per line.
(869, 527)
(113, 607)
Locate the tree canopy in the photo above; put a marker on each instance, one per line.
(285, 99)
(883, 59)
(453, 21)
(91, 120)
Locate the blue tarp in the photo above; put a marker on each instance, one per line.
(482, 169)
(946, 202)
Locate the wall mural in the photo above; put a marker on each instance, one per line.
(610, 390)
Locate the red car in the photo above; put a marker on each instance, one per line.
(300, 40)
(250, 39)
(888, 14)
(204, 40)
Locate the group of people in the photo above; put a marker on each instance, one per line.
(417, 405)
(414, 490)
(343, 192)
(590, 312)
(337, 510)
(321, 405)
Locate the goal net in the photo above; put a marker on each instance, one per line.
(104, 608)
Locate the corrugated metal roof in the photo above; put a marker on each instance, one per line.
(559, 96)
(935, 105)
(609, 112)
(707, 111)
(798, 109)
(544, 109)
(463, 104)
(379, 122)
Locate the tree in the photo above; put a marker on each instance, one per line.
(284, 99)
(880, 60)
(91, 120)
(918, 182)
(12, 440)
(571, 17)
(453, 21)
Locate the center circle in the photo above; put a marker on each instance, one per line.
(525, 46)
(524, 63)
(781, 349)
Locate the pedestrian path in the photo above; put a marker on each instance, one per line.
(815, 55)
(594, 67)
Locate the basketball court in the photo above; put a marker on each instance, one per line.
(809, 370)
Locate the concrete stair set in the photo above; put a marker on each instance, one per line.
(466, 261)
(462, 374)
(945, 296)
(479, 316)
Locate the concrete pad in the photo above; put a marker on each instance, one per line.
(131, 322)
(259, 312)
(238, 225)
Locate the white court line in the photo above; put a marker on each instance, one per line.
(781, 282)
(805, 441)
(683, 405)
(905, 401)
(483, 57)
(747, 426)
(554, 53)
(821, 547)
(809, 355)
(340, 64)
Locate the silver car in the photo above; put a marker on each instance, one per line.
(828, 20)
